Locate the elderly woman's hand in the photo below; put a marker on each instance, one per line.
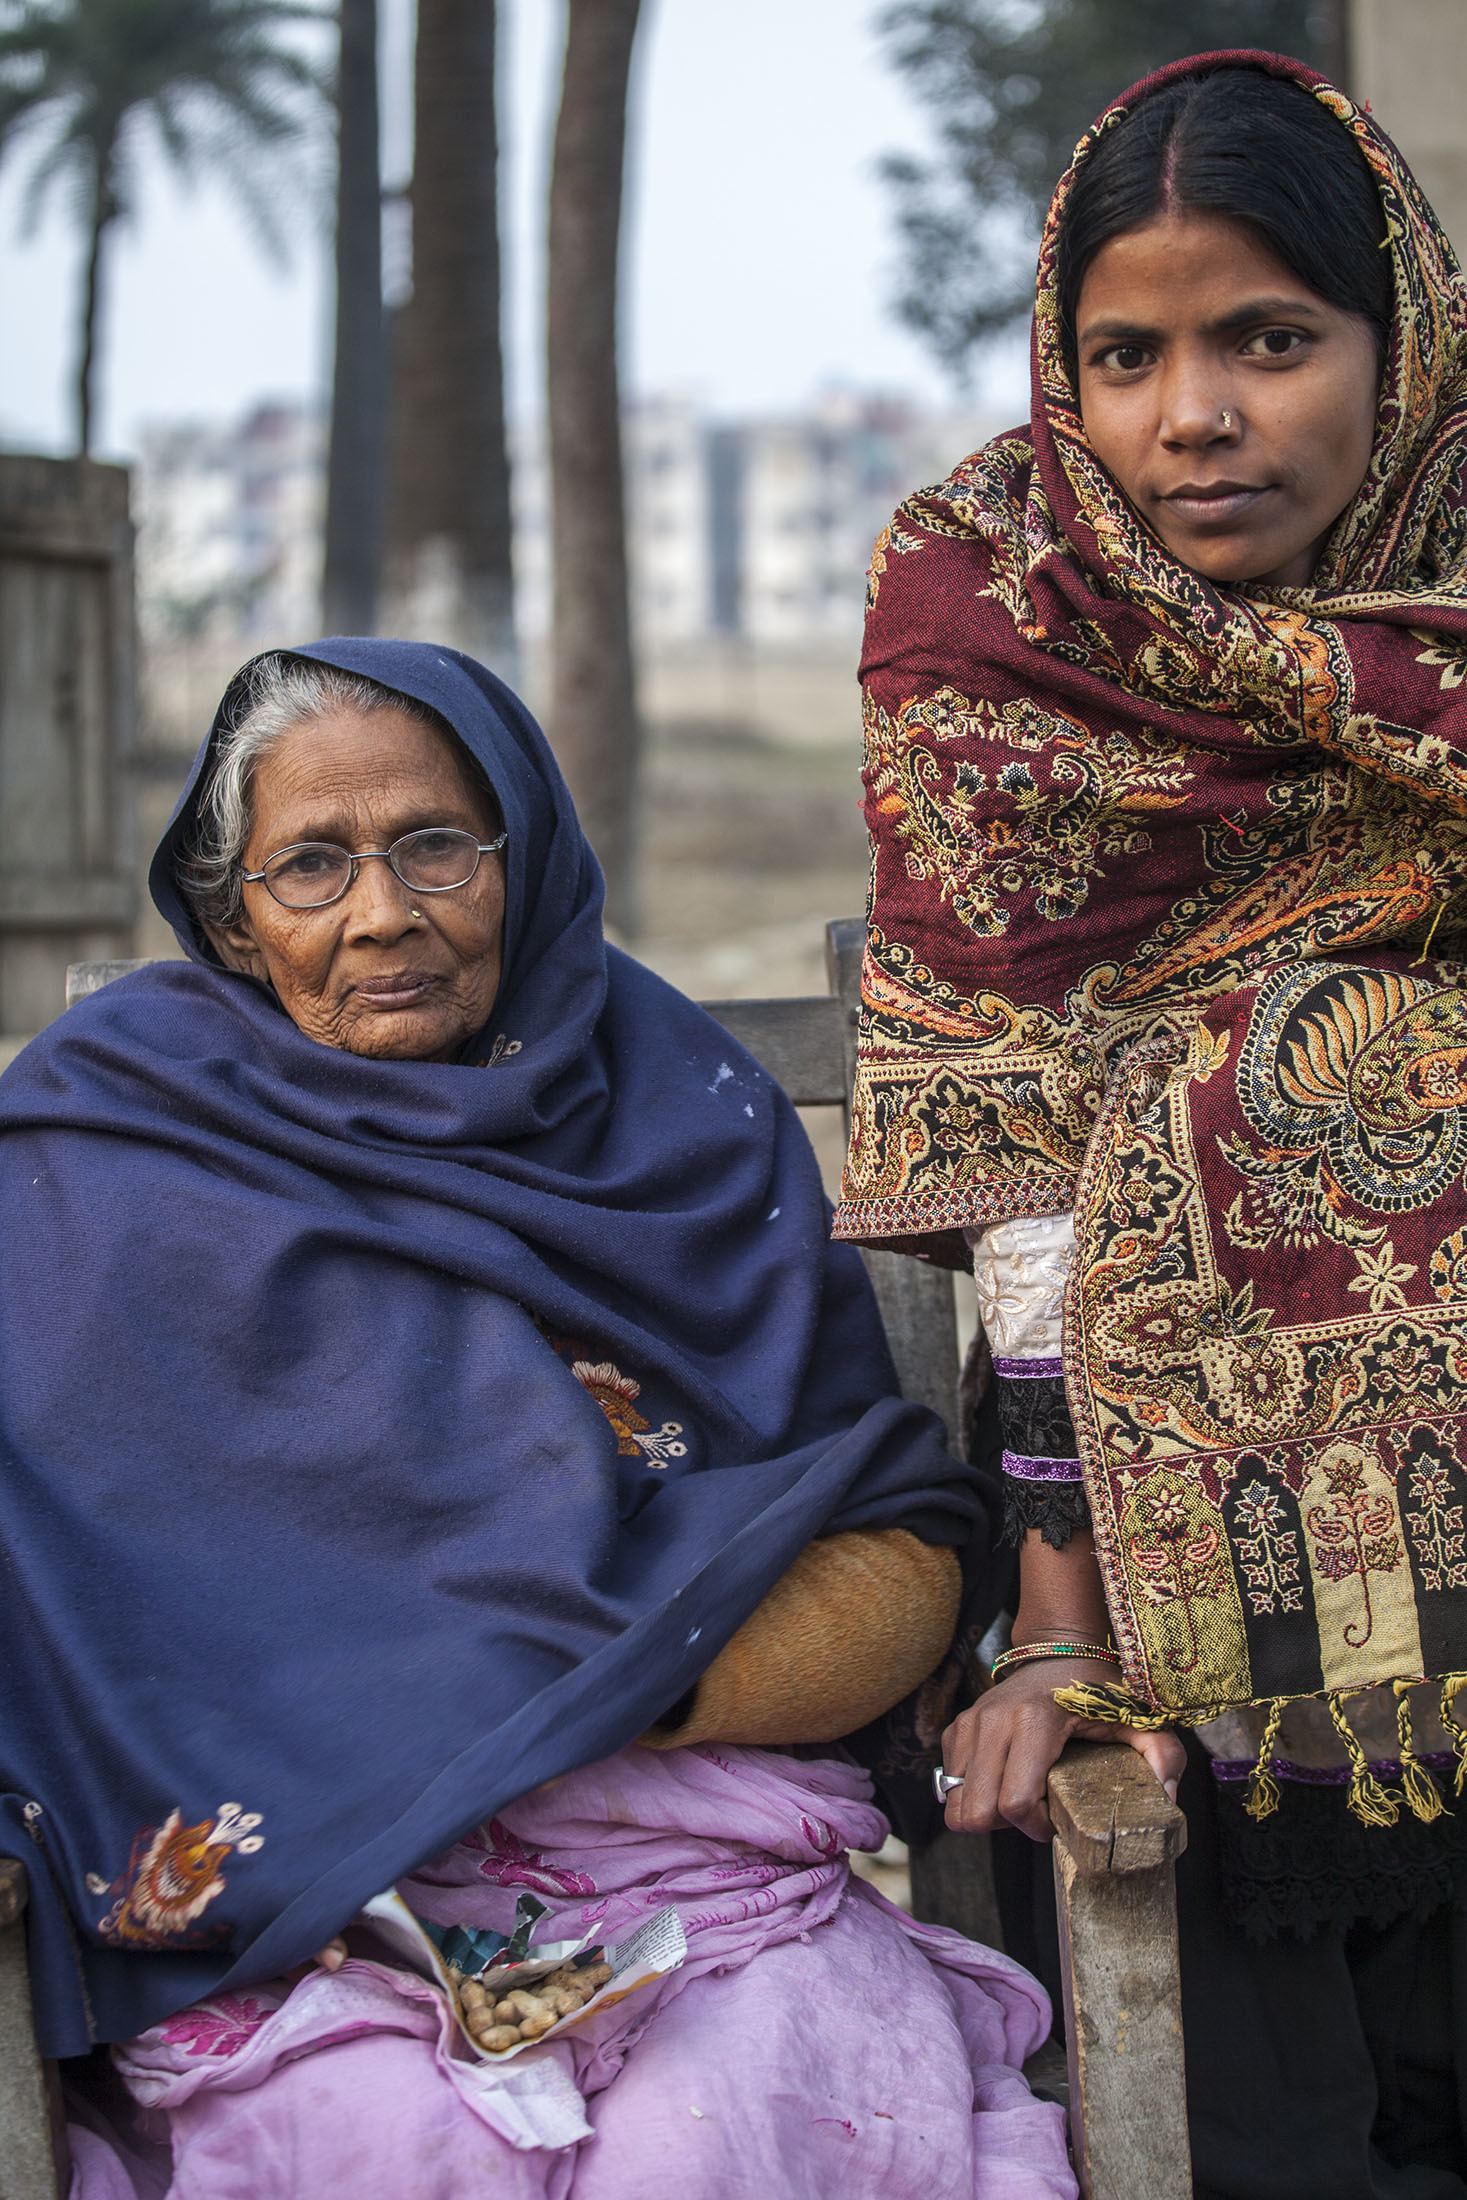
(329, 1958)
(1005, 1745)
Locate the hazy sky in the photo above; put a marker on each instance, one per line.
(759, 242)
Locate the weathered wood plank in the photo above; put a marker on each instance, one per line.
(67, 717)
(1111, 1812)
(49, 905)
(86, 978)
(13, 1891)
(952, 1884)
(28, 2168)
(799, 1042)
(1123, 2008)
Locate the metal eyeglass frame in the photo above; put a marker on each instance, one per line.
(358, 856)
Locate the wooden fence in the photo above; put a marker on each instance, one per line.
(68, 686)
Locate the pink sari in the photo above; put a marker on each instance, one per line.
(816, 2040)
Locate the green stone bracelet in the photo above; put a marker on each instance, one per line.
(1028, 1653)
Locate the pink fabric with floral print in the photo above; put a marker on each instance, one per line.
(815, 2040)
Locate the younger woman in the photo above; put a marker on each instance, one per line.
(1167, 781)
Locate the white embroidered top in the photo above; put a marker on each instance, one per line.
(1020, 1269)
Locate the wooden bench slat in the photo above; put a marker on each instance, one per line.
(800, 1042)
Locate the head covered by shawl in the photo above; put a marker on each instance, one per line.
(1155, 865)
(1101, 787)
(383, 1438)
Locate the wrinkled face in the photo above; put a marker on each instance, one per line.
(365, 973)
(1233, 405)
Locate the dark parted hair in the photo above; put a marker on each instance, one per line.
(1253, 148)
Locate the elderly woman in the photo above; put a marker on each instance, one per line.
(443, 1451)
(1167, 776)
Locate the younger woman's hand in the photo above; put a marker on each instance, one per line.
(1005, 1745)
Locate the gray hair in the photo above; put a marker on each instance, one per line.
(275, 694)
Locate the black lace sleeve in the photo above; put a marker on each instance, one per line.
(1056, 1509)
(1041, 1474)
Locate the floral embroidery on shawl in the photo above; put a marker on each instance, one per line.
(218, 2028)
(617, 1396)
(508, 1863)
(172, 1876)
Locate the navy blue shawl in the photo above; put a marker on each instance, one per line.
(317, 1548)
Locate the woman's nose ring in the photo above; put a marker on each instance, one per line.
(1227, 419)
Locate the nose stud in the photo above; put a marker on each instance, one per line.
(1227, 420)
(416, 915)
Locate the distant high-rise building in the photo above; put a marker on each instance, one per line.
(756, 529)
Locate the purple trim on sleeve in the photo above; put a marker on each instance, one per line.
(1026, 1371)
(1041, 1470)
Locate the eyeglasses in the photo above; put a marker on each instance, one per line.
(311, 874)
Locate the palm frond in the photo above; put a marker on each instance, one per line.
(61, 160)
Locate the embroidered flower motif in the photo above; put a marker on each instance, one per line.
(173, 1875)
(509, 1863)
(1451, 667)
(1447, 1269)
(1434, 1518)
(1354, 1530)
(616, 1394)
(1401, 1364)
(217, 2028)
(1174, 1550)
(1382, 1275)
(1268, 1551)
(663, 1444)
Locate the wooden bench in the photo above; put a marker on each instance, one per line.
(1116, 1835)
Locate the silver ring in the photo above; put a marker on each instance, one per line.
(943, 1783)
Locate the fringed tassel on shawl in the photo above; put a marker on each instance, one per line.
(1113, 1707)
(1451, 1683)
(1263, 1789)
(1368, 1799)
(1423, 1799)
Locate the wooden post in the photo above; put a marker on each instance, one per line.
(1117, 1839)
(28, 2168)
(67, 702)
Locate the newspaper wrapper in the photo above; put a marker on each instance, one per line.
(658, 1945)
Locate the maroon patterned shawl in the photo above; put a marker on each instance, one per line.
(1156, 867)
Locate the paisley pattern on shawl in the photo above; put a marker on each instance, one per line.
(1168, 924)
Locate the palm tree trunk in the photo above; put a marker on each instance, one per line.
(593, 714)
(357, 451)
(103, 211)
(449, 572)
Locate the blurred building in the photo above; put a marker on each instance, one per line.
(757, 531)
(229, 526)
(1410, 63)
